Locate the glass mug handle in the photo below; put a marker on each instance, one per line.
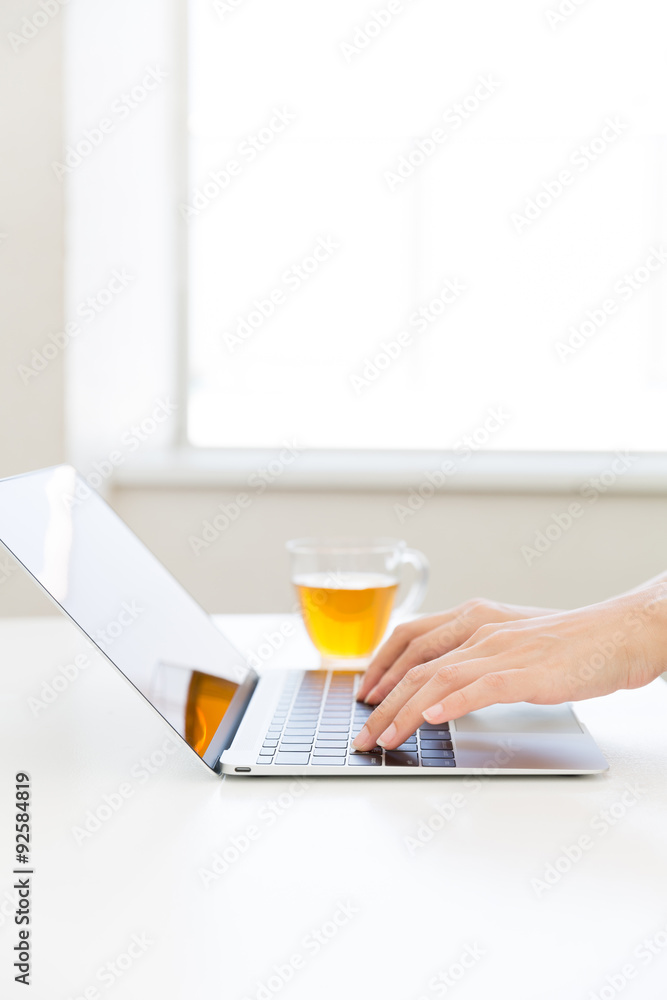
(417, 592)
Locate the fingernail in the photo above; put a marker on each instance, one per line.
(388, 735)
(434, 714)
(371, 698)
(363, 740)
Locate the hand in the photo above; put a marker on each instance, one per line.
(566, 656)
(426, 638)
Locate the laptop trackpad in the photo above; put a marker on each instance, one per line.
(520, 718)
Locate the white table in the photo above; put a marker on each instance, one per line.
(335, 859)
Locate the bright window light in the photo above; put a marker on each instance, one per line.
(405, 218)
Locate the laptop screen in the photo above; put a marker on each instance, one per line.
(126, 602)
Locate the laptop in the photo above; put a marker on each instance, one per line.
(294, 722)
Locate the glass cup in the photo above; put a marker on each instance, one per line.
(346, 589)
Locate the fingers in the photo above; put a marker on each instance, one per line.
(503, 684)
(456, 625)
(395, 645)
(384, 714)
(422, 687)
(422, 649)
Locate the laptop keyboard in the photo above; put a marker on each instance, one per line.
(316, 724)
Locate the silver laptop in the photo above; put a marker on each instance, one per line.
(284, 722)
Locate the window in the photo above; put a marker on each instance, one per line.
(412, 220)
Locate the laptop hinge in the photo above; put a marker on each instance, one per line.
(231, 721)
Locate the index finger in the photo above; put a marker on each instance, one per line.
(506, 687)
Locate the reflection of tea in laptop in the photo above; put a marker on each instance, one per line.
(208, 700)
(346, 614)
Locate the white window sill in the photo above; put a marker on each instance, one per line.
(479, 472)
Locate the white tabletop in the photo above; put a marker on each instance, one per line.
(327, 891)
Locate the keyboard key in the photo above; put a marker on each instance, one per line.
(335, 761)
(270, 743)
(442, 754)
(337, 744)
(297, 747)
(428, 726)
(299, 731)
(436, 734)
(265, 760)
(330, 751)
(436, 744)
(437, 762)
(298, 738)
(364, 760)
(334, 732)
(400, 758)
(267, 751)
(374, 750)
(290, 757)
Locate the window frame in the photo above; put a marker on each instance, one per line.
(179, 463)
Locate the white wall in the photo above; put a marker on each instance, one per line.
(31, 261)
(473, 541)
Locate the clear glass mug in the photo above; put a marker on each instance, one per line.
(346, 589)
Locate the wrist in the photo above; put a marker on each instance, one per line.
(647, 620)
